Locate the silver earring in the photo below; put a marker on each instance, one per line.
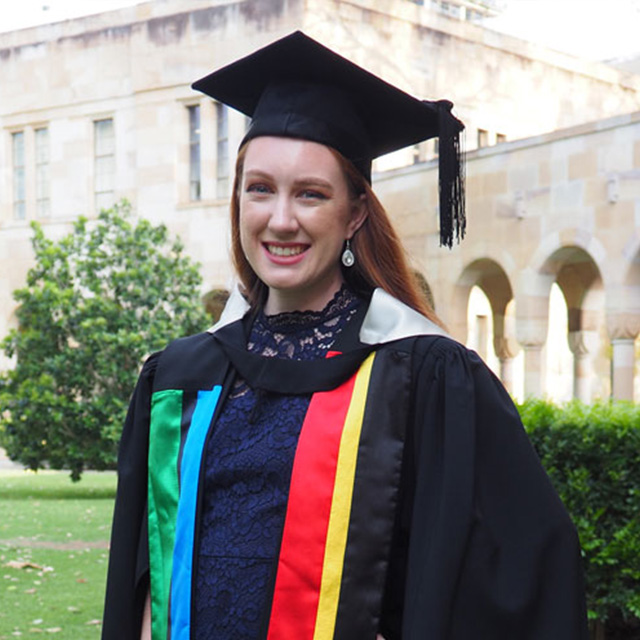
(348, 259)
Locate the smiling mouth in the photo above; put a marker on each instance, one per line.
(276, 250)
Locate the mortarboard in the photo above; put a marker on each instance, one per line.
(295, 87)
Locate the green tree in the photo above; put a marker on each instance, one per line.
(96, 303)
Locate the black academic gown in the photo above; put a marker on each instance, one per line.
(450, 529)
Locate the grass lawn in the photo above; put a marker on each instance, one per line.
(53, 553)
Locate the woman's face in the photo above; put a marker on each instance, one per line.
(295, 214)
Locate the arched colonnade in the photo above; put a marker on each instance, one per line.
(603, 313)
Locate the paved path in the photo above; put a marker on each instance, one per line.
(73, 545)
(5, 463)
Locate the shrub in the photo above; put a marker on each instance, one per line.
(592, 454)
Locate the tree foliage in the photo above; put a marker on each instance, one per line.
(95, 304)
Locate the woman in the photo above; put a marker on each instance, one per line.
(325, 462)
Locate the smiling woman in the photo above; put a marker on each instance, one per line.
(296, 213)
(325, 462)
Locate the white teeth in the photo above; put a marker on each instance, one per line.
(284, 251)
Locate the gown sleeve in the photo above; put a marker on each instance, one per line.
(127, 578)
(491, 552)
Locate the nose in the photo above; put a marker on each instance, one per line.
(283, 219)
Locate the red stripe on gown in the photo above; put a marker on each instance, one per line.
(297, 588)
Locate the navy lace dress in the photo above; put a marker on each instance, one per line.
(249, 459)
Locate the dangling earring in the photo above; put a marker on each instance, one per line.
(348, 259)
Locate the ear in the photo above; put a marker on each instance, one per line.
(359, 213)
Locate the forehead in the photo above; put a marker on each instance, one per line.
(291, 155)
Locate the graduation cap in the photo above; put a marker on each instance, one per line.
(297, 88)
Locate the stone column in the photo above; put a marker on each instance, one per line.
(532, 319)
(531, 332)
(505, 351)
(623, 368)
(533, 370)
(482, 336)
(623, 331)
(581, 366)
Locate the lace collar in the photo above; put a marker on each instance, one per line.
(292, 321)
(302, 335)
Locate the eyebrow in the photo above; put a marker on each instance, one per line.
(314, 182)
(305, 181)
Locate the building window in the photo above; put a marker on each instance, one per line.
(483, 138)
(423, 151)
(417, 154)
(43, 203)
(451, 9)
(195, 174)
(104, 163)
(472, 15)
(500, 138)
(19, 186)
(222, 156)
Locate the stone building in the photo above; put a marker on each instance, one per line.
(100, 108)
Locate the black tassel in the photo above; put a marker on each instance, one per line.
(452, 174)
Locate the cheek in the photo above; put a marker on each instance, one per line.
(247, 224)
(341, 226)
(243, 240)
(245, 234)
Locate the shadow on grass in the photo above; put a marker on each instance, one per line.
(57, 485)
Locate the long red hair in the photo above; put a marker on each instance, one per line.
(381, 260)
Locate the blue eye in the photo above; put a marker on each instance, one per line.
(258, 187)
(311, 194)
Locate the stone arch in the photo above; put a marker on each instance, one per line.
(494, 282)
(425, 288)
(625, 295)
(214, 301)
(550, 250)
(488, 275)
(623, 324)
(534, 282)
(632, 254)
(577, 273)
(581, 284)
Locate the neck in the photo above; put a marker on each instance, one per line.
(279, 301)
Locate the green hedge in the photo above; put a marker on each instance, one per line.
(592, 454)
